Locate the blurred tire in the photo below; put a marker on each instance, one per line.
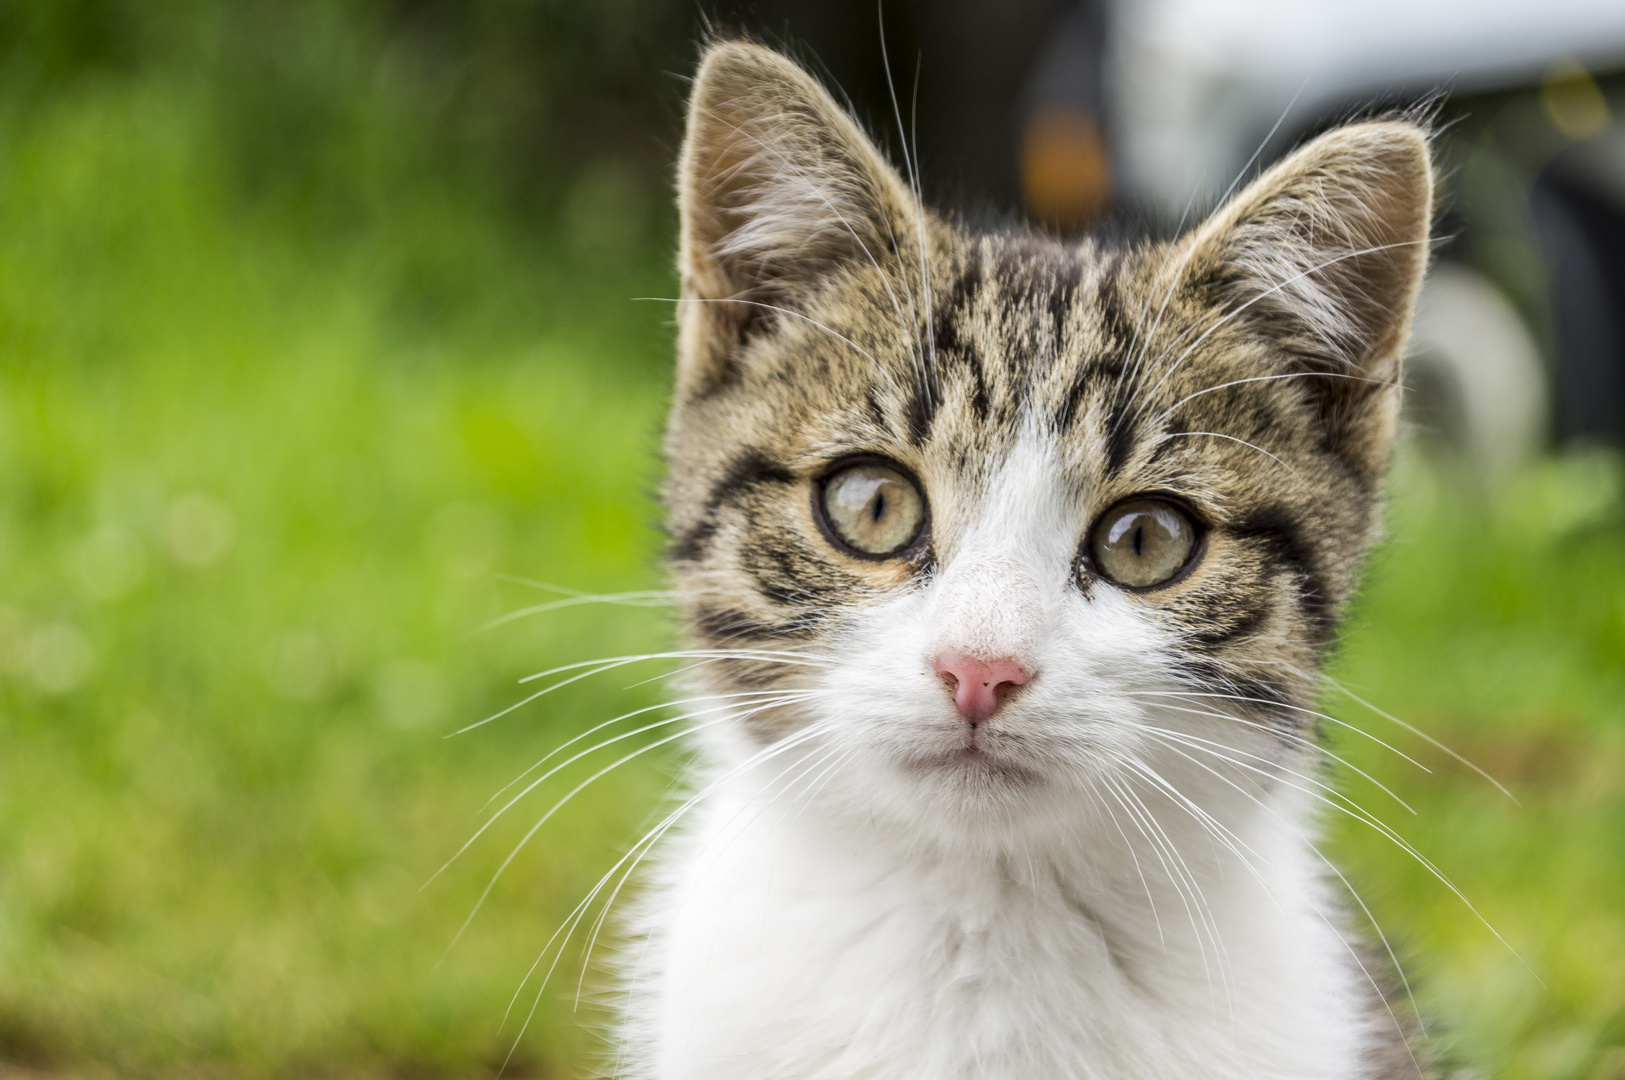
(1477, 391)
(1579, 211)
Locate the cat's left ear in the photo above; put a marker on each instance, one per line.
(1325, 254)
(777, 186)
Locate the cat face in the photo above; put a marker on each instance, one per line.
(1004, 517)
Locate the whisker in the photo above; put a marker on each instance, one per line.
(912, 322)
(824, 778)
(1135, 377)
(805, 659)
(1216, 828)
(1359, 813)
(1232, 438)
(1135, 380)
(603, 912)
(1298, 740)
(1271, 769)
(641, 599)
(639, 752)
(645, 843)
(1179, 877)
(1388, 948)
(1354, 953)
(1419, 733)
(649, 838)
(643, 953)
(1220, 832)
(1134, 856)
(597, 667)
(1209, 921)
(665, 595)
(1262, 143)
(1169, 411)
(674, 703)
(1285, 705)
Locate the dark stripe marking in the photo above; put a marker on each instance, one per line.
(729, 624)
(749, 470)
(1278, 532)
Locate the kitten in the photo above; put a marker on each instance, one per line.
(1011, 562)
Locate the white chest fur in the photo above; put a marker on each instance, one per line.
(783, 946)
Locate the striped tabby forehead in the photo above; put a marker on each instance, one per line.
(1133, 381)
(1123, 370)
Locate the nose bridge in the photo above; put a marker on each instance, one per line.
(1005, 561)
(989, 605)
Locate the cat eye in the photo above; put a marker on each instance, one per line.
(871, 508)
(1143, 542)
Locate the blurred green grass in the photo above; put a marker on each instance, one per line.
(257, 482)
(270, 455)
(1500, 631)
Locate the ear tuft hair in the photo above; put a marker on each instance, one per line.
(1327, 252)
(776, 185)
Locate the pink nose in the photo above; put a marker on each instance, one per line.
(979, 686)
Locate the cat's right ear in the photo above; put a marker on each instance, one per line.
(776, 185)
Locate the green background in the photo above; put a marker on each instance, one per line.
(317, 342)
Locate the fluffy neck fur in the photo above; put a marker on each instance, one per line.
(1114, 875)
(785, 945)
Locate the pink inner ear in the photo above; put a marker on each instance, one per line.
(979, 686)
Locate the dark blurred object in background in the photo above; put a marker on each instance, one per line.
(999, 104)
(1579, 212)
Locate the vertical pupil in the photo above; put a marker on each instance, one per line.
(1139, 541)
(877, 507)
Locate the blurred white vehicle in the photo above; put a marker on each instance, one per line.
(1199, 92)
(1198, 86)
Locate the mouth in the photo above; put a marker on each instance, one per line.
(974, 762)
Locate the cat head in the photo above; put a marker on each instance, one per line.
(990, 518)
